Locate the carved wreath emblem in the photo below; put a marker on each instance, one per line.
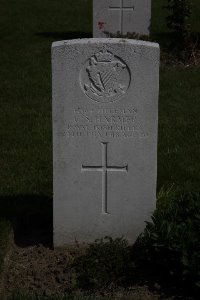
(105, 78)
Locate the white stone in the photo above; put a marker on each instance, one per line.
(105, 106)
(123, 16)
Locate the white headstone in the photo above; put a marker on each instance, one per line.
(121, 16)
(105, 106)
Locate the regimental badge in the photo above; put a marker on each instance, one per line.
(105, 77)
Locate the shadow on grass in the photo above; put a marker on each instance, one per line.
(31, 217)
(70, 35)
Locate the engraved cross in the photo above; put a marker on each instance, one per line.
(104, 168)
(121, 9)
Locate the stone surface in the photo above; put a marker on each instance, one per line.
(105, 105)
(123, 16)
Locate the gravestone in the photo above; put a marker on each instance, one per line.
(121, 16)
(105, 105)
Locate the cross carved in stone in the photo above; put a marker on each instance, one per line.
(121, 8)
(104, 168)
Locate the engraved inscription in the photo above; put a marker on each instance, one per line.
(105, 78)
(104, 168)
(121, 8)
(105, 123)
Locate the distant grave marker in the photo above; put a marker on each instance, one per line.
(105, 105)
(121, 9)
(121, 16)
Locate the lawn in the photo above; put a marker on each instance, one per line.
(27, 29)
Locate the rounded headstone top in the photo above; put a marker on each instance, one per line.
(105, 41)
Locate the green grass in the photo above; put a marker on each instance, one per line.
(27, 29)
(179, 124)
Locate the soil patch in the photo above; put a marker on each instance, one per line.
(43, 271)
(40, 270)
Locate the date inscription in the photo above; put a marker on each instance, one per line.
(105, 123)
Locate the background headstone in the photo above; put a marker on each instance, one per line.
(123, 16)
(105, 105)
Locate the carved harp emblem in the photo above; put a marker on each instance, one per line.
(105, 78)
